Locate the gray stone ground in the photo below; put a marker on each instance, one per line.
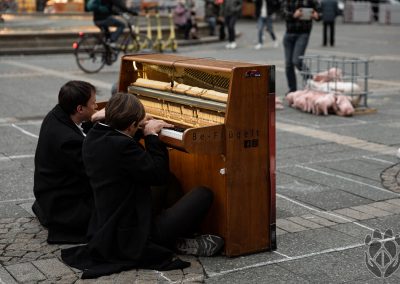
(337, 178)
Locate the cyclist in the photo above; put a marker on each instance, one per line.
(104, 18)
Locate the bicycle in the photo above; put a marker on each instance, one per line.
(92, 52)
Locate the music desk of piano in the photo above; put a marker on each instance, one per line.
(226, 141)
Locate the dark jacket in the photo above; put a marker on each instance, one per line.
(329, 10)
(231, 7)
(112, 6)
(296, 25)
(272, 6)
(211, 9)
(61, 187)
(121, 172)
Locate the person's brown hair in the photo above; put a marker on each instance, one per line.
(122, 110)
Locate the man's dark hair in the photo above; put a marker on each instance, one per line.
(122, 110)
(75, 93)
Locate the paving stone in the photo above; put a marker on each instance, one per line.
(126, 277)
(348, 212)
(371, 210)
(395, 201)
(289, 226)
(193, 278)
(146, 281)
(318, 219)
(52, 267)
(14, 253)
(389, 207)
(305, 222)
(280, 232)
(7, 220)
(5, 277)
(70, 279)
(23, 220)
(172, 275)
(147, 275)
(333, 217)
(17, 246)
(4, 259)
(23, 272)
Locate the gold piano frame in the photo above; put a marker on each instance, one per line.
(236, 158)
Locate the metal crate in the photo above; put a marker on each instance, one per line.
(354, 71)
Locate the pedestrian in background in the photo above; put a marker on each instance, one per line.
(231, 11)
(299, 15)
(211, 14)
(220, 20)
(182, 18)
(264, 11)
(329, 11)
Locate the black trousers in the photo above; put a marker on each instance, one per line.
(183, 218)
(331, 27)
(230, 22)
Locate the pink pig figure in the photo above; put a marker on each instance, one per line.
(324, 103)
(344, 106)
(292, 95)
(333, 74)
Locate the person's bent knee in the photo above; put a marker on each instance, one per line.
(203, 194)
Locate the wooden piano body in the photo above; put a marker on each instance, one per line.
(228, 143)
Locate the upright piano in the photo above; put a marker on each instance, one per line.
(224, 137)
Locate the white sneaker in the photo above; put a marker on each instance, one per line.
(276, 44)
(204, 245)
(233, 45)
(228, 46)
(258, 46)
(398, 153)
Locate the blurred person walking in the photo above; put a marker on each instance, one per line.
(182, 18)
(329, 11)
(299, 15)
(264, 11)
(211, 11)
(231, 11)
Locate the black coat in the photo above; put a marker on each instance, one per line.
(329, 10)
(272, 5)
(114, 7)
(121, 172)
(64, 201)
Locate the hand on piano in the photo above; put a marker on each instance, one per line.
(154, 126)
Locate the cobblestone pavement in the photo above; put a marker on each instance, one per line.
(28, 258)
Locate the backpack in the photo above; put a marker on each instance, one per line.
(97, 6)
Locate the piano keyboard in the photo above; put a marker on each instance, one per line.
(175, 133)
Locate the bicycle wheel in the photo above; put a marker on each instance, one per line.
(90, 54)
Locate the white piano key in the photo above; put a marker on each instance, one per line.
(172, 133)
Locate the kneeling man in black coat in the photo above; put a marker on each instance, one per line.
(64, 198)
(121, 171)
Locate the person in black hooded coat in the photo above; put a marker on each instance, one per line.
(121, 173)
(64, 199)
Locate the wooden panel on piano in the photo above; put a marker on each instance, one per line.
(230, 150)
